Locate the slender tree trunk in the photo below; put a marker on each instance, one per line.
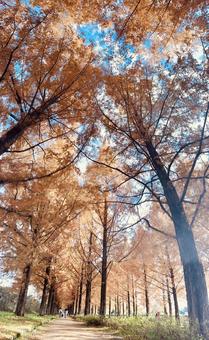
(133, 297)
(173, 286)
(169, 297)
(42, 310)
(129, 304)
(118, 305)
(88, 297)
(123, 304)
(110, 306)
(88, 278)
(146, 292)
(104, 264)
(20, 307)
(164, 302)
(80, 292)
(136, 303)
(115, 309)
(175, 299)
(194, 277)
(76, 301)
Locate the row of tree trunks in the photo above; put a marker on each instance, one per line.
(47, 293)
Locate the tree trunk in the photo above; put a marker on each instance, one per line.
(118, 305)
(129, 304)
(53, 306)
(76, 301)
(164, 302)
(146, 291)
(88, 297)
(136, 304)
(80, 292)
(109, 306)
(42, 310)
(133, 297)
(88, 278)
(169, 297)
(196, 289)
(50, 299)
(104, 264)
(173, 286)
(123, 304)
(20, 307)
(175, 299)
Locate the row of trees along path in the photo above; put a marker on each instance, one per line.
(104, 154)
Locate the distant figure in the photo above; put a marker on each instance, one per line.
(61, 314)
(157, 315)
(66, 313)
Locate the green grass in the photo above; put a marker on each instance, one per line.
(14, 327)
(143, 328)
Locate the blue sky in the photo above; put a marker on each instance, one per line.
(113, 54)
(35, 9)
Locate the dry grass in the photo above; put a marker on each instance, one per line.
(144, 328)
(14, 327)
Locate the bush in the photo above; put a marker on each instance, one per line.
(92, 320)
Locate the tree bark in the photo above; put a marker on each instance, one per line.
(104, 264)
(146, 292)
(42, 310)
(50, 299)
(118, 305)
(22, 297)
(169, 297)
(128, 303)
(175, 299)
(164, 302)
(76, 301)
(88, 297)
(133, 297)
(109, 306)
(194, 277)
(173, 286)
(123, 306)
(80, 292)
(88, 278)
(53, 307)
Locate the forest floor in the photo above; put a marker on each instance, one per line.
(63, 329)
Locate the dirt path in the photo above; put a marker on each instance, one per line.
(62, 329)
